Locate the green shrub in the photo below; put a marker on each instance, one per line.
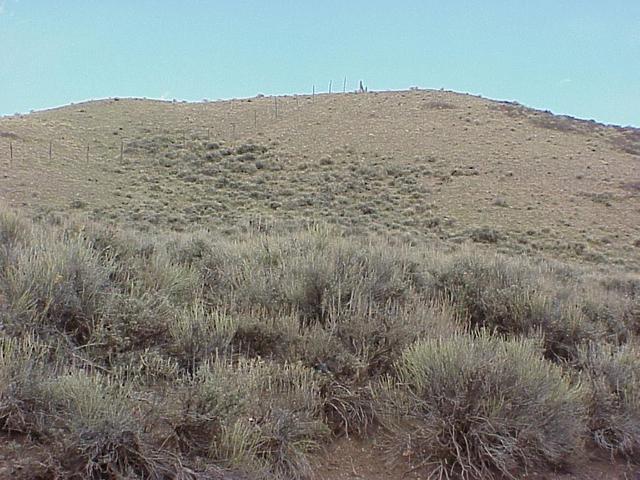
(244, 351)
(476, 406)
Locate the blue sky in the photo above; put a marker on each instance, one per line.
(574, 57)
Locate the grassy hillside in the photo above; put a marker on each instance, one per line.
(424, 164)
(195, 300)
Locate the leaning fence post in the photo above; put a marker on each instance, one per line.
(330, 84)
(10, 152)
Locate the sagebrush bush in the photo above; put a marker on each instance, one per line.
(23, 369)
(133, 320)
(478, 406)
(57, 283)
(514, 297)
(161, 273)
(613, 375)
(255, 416)
(105, 430)
(198, 335)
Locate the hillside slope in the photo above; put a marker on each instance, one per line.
(217, 291)
(423, 163)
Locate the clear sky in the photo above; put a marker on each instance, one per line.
(577, 57)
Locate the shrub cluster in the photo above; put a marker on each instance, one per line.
(172, 355)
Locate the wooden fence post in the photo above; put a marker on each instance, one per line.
(121, 150)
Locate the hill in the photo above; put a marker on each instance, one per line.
(426, 164)
(390, 285)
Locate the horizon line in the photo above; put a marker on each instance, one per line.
(259, 95)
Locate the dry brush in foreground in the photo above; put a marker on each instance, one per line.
(200, 356)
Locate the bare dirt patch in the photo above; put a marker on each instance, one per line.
(354, 459)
